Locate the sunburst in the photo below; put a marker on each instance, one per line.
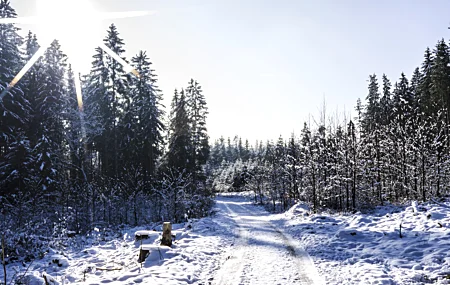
(68, 19)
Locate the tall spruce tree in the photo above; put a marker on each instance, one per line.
(427, 105)
(440, 84)
(385, 101)
(109, 94)
(197, 111)
(14, 110)
(372, 113)
(33, 85)
(179, 154)
(147, 116)
(49, 109)
(293, 153)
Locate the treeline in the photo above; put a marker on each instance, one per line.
(115, 159)
(396, 149)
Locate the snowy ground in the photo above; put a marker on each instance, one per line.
(243, 244)
(367, 248)
(192, 259)
(262, 253)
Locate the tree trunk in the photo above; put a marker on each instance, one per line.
(3, 258)
(167, 234)
(423, 176)
(438, 186)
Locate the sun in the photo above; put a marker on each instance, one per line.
(73, 23)
(65, 14)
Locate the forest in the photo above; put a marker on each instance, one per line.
(121, 159)
(116, 159)
(395, 150)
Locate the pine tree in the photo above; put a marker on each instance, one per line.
(280, 172)
(108, 90)
(97, 104)
(354, 159)
(310, 154)
(77, 131)
(371, 138)
(246, 154)
(14, 108)
(293, 153)
(147, 116)
(197, 112)
(428, 106)
(440, 85)
(33, 84)
(15, 149)
(403, 101)
(372, 114)
(440, 73)
(359, 113)
(49, 110)
(15, 167)
(385, 101)
(415, 91)
(179, 154)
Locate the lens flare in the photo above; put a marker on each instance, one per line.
(127, 67)
(40, 52)
(72, 23)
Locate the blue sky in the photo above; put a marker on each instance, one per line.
(266, 66)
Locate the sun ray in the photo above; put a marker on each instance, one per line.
(30, 63)
(20, 20)
(42, 20)
(100, 16)
(122, 15)
(78, 92)
(80, 102)
(128, 68)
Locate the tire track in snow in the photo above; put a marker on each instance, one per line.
(262, 254)
(234, 258)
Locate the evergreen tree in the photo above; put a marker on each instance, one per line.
(109, 90)
(310, 153)
(49, 110)
(371, 138)
(293, 153)
(146, 122)
(179, 154)
(13, 106)
(403, 100)
(427, 105)
(77, 131)
(353, 157)
(33, 85)
(15, 167)
(197, 112)
(279, 173)
(440, 72)
(15, 149)
(372, 114)
(440, 85)
(385, 101)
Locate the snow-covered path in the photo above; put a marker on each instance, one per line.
(261, 254)
(243, 244)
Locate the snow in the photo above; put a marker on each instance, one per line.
(367, 248)
(262, 253)
(191, 259)
(243, 244)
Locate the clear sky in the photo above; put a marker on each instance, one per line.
(265, 66)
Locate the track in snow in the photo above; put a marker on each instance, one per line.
(261, 254)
